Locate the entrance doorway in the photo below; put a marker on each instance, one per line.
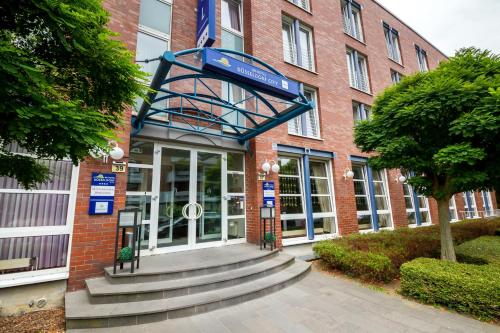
(196, 199)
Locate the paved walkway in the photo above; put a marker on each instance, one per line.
(321, 303)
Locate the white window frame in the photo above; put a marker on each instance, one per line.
(386, 196)
(304, 4)
(237, 194)
(392, 43)
(240, 13)
(358, 80)
(352, 22)
(453, 207)
(331, 195)
(410, 210)
(472, 209)
(487, 195)
(396, 76)
(367, 195)
(50, 274)
(291, 22)
(422, 62)
(297, 121)
(364, 111)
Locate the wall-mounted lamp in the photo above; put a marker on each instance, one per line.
(400, 179)
(270, 166)
(348, 173)
(116, 153)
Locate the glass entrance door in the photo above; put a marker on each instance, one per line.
(190, 202)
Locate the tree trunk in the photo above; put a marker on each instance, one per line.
(447, 249)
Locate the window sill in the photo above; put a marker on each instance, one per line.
(354, 38)
(303, 68)
(308, 11)
(364, 92)
(306, 137)
(397, 63)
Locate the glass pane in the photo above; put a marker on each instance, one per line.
(379, 188)
(141, 152)
(33, 209)
(288, 166)
(209, 190)
(230, 14)
(324, 225)
(236, 228)
(139, 179)
(381, 203)
(293, 228)
(60, 177)
(321, 204)
(424, 215)
(235, 183)
(364, 222)
(319, 186)
(406, 189)
(377, 175)
(362, 203)
(408, 203)
(156, 15)
(411, 218)
(291, 205)
(149, 47)
(318, 169)
(358, 172)
(235, 162)
(236, 205)
(384, 220)
(422, 202)
(40, 252)
(231, 41)
(174, 195)
(289, 185)
(359, 187)
(143, 202)
(144, 236)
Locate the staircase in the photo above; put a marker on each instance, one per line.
(181, 284)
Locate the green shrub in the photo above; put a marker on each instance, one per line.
(396, 247)
(473, 289)
(482, 250)
(365, 265)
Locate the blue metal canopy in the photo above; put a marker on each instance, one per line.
(188, 96)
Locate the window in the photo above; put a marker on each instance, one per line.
(423, 202)
(232, 39)
(153, 38)
(358, 70)
(487, 205)
(381, 199)
(360, 111)
(470, 205)
(35, 225)
(421, 59)
(293, 217)
(410, 205)
(140, 183)
(351, 14)
(297, 43)
(304, 4)
(321, 197)
(392, 42)
(236, 194)
(453, 216)
(306, 124)
(396, 77)
(362, 195)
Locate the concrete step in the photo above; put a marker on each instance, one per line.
(101, 291)
(154, 268)
(80, 313)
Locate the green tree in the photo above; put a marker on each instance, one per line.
(64, 83)
(444, 127)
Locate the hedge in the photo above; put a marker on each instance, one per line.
(482, 250)
(366, 255)
(466, 288)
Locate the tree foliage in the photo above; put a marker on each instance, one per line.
(64, 82)
(442, 125)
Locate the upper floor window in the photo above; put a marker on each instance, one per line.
(231, 15)
(360, 111)
(304, 4)
(396, 76)
(297, 43)
(421, 59)
(306, 124)
(351, 13)
(392, 42)
(358, 70)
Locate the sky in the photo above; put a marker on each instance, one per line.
(452, 24)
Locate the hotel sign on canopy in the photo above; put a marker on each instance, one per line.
(254, 76)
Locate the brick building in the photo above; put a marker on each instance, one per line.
(344, 52)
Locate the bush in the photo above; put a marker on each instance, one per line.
(366, 265)
(473, 289)
(396, 247)
(482, 250)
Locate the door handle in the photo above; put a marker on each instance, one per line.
(184, 211)
(199, 210)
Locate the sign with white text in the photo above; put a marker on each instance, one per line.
(205, 23)
(102, 193)
(269, 196)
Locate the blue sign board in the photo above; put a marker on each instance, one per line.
(269, 195)
(205, 23)
(102, 193)
(254, 76)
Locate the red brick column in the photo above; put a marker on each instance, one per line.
(459, 201)
(397, 199)
(93, 238)
(344, 197)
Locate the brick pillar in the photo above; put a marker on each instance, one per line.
(397, 199)
(459, 201)
(433, 209)
(344, 197)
